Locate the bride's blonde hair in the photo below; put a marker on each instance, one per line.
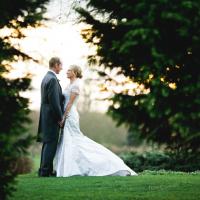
(77, 70)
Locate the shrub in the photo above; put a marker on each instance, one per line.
(22, 165)
(159, 161)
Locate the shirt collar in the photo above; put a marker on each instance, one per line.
(53, 72)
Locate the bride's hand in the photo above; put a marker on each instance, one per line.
(61, 123)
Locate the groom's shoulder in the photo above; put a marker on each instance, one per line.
(48, 79)
(49, 76)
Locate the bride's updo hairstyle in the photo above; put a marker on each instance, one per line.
(77, 70)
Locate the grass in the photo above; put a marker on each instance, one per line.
(146, 186)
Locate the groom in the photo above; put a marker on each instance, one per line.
(51, 114)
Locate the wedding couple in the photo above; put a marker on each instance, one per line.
(75, 154)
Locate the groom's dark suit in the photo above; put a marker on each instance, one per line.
(50, 114)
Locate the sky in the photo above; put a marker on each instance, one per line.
(59, 37)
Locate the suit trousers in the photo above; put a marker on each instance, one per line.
(47, 156)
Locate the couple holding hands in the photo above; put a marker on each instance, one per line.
(70, 153)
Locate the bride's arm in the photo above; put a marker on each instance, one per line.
(69, 104)
(74, 93)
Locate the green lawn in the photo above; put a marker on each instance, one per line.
(147, 186)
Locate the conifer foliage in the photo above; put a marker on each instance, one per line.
(155, 44)
(16, 16)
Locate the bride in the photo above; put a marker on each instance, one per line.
(77, 154)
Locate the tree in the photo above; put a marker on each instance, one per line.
(15, 17)
(156, 45)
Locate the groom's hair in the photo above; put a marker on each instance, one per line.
(53, 61)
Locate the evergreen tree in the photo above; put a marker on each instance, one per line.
(14, 139)
(155, 44)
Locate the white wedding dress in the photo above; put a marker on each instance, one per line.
(78, 155)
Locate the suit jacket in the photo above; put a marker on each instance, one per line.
(51, 110)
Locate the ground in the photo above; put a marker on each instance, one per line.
(159, 185)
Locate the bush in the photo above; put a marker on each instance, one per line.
(159, 161)
(22, 165)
